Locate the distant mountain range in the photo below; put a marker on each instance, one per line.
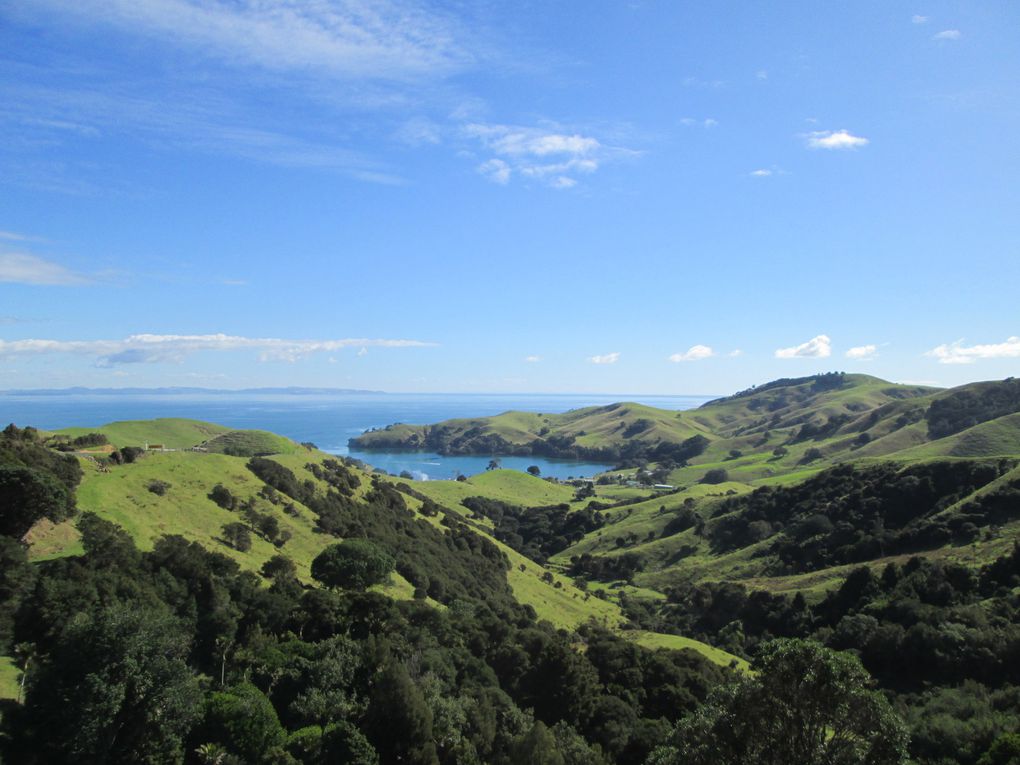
(181, 391)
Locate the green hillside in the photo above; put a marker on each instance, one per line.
(861, 515)
(249, 443)
(121, 494)
(171, 432)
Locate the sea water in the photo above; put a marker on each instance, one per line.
(329, 420)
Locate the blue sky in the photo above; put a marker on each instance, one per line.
(535, 196)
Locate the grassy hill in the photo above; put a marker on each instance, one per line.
(180, 433)
(171, 432)
(590, 430)
(121, 494)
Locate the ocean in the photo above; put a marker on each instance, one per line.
(329, 420)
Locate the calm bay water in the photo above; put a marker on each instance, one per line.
(329, 420)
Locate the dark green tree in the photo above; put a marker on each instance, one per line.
(804, 704)
(715, 475)
(537, 747)
(279, 567)
(237, 535)
(354, 564)
(399, 721)
(115, 689)
(243, 721)
(28, 495)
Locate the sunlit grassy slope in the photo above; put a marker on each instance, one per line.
(171, 432)
(120, 493)
(9, 678)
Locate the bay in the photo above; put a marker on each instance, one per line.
(329, 420)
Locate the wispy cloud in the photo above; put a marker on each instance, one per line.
(12, 236)
(763, 172)
(834, 139)
(947, 34)
(694, 353)
(958, 353)
(496, 170)
(551, 155)
(25, 268)
(189, 121)
(382, 39)
(606, 358)
(735, 353)
(419, 131)
(707, 122)
(819, 347)
(147, 348)
(761, 74)
(532, 359)
(862, 352)
(918, 19)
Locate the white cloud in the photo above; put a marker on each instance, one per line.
(761, 74)
(708, 122)
(362, 352)
(958, 353)
(15, 237)
(148, 348)
(23, 268)
(694, 353)
(761, 173)
(496, 170)
(419, 131)
(514, 141)
(947, 34)
(834, 139)
(532, 359)
(735, 353)
(819, 347)
(862, 352)
(918, 19)
(572, 165)
(551, 155)
(385, 39)
(607, 358)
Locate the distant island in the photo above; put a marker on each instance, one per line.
(183, 391)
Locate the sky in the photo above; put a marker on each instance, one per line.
(612, 197)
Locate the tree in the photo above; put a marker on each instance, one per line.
(237, 536)
(715, 475)
(399, 722)
(221, 495)
(28, 495)
(537, 747)
(354, 564)
(116, 688)
(279, 567)
(242, 720)
(1005, 750)
(805, 704)
(535, 470)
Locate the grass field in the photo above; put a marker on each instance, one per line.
(171, 432)
(9, 678)
(121, 496)
(252, 442)
(510, 486)
(677, 643)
